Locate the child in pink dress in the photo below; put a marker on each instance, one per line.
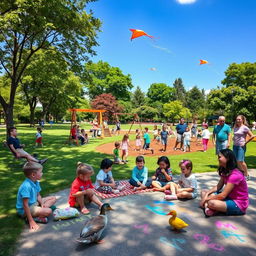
(124, 147)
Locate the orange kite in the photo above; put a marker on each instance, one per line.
(137, 33)
(203, 62)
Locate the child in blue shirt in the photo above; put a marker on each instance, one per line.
(146, 145)
(139, 177)
(30, 204)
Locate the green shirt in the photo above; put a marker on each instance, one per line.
(222, 132)
(146, 137)
(116, 152)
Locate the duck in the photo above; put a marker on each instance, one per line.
(176, 222)
(93, 228)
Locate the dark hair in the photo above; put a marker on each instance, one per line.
(11, 129)
(231, 162)
(146, 128)
(164, 159)
(140, 159)
(106, 163)
(187, 163)
(117, 144)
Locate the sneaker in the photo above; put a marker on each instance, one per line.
(43, 220)
(170, 197)
(53, 207)
(43, 161)
(121, 187)
(115, 191)
(209, 212)
(248, 177)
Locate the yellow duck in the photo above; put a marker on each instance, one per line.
(176, 222)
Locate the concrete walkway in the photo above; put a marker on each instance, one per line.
(139, 226)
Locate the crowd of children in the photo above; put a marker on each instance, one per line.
(229, 196)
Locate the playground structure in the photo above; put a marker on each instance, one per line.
(136, 118)
(74, 121)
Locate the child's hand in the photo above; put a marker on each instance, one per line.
(139, 183)
(162, 170)
(33, 226)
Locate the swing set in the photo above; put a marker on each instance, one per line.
(74, 119)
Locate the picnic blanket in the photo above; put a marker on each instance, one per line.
(128, 190)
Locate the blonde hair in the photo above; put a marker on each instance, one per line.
(31, 167)
(84, 169)
(243, 119)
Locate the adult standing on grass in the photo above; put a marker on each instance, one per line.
(241, 131)
(180, 128)
(221, 135)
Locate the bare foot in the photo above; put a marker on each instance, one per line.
(85, 211)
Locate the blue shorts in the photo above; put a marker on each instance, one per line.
(239, 152)
(232, 208)
(221, 145)
(146, 145)
(164, 141)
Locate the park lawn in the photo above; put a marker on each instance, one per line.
(59, 171)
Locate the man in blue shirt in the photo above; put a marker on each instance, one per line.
(180, 128)
(221, 135)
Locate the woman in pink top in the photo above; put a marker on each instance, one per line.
(241, 131)
(233, 199)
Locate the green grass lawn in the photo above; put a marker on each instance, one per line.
(59, 171)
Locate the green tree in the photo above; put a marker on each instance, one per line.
(138, 97)
(101, 78)
(175, 110)
(230, 102)
(146, 113)
(30, 25)
(160, 92)
(242, 75)
(195, 100)
(179, 91)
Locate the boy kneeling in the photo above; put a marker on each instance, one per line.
(30, 204)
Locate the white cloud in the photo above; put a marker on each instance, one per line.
(186, 1)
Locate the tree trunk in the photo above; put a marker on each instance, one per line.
(32, 106)
(8, 118)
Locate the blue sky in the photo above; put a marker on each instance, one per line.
(220, 31)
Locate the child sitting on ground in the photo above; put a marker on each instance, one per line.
(117, 159)
(30, 204)
(105, 182)
(163, 174)
(139, 179)
(39, 137)
(81, 189)
(187, 184)
(17, 148)
(233, 199)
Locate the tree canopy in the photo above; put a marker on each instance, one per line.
(102, 78)
(160, 92)
(30, 25)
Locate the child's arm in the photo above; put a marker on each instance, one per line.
(145, 175)
(32, 224)
(251, 137)
(134, 176)
(106, 184)
(167, 176)
(221, 196)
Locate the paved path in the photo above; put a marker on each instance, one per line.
(138, 227)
